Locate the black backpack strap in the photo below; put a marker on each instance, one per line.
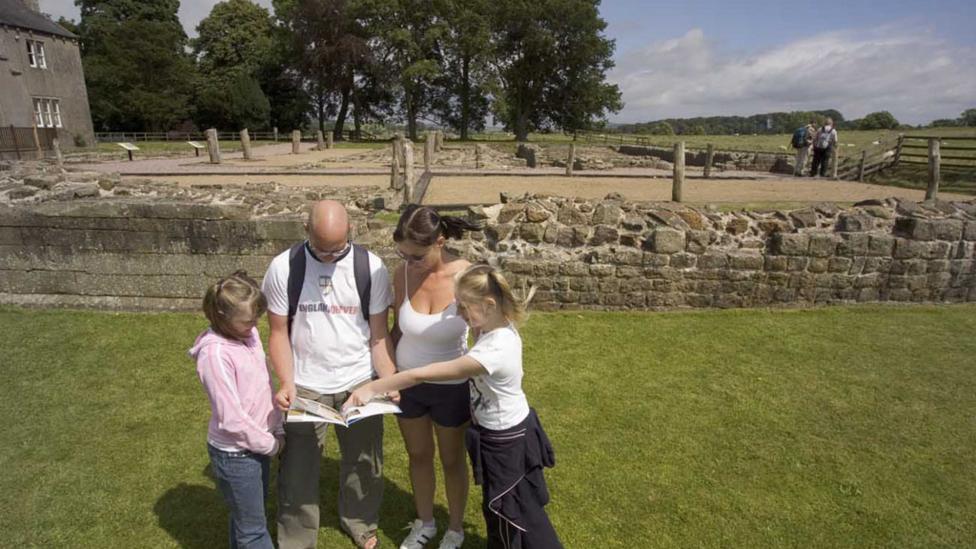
(296, 279)
(364, 282)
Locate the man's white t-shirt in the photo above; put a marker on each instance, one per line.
(329, 336)
(497, 400)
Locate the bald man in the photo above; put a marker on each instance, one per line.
(328, 350)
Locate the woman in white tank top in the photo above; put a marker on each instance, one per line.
(428, 329)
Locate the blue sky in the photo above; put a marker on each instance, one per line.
(708, 57)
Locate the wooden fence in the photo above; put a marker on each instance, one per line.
(24, 143)
(132, 137)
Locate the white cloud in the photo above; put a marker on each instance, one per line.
(906, 71)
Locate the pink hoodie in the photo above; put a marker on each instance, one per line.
(235, 376)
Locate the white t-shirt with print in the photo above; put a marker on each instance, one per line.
(329, 336)
(497, 400)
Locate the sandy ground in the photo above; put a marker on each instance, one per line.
(485, 190)
(332, 156)
(287, 180)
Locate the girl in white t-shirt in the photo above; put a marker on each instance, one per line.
(506, 443)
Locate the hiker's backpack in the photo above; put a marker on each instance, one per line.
(823, 139)
(799, 138)
(296, 278)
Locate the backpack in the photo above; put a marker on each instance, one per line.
(800, 138)
(296, 278)
(823, 138)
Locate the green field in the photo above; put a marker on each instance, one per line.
(841, 427)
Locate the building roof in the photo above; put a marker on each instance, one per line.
(15, 14)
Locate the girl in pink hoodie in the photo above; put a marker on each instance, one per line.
(242, 436)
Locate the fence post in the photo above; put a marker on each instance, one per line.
(571, 160)
(935, 158)
(679, 171)
(246, 143)
(213, 146)
(428, 150)
(296, 140)
(901, 138)
(395, 163)
(709, 155)
(860, 169)
(37, 143)
(274, 130)
(407, 171)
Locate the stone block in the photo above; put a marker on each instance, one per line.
(511, 212)
(855, 222)
(683, 260)
(915, 228)
(818, 265)
(665, 241)
(853, 244)
(628, 257)
(713, 260)
(535, 213)
(574, 268)
(804, 218)
(656, 260)
(948, 229)
(840, 264)
(822, 245)
(604, 234)
(790, 244)
(607, 214)
(569, 215)
(969, 232)
(602, 270)
(746, 262)
(532, 233)
(881, 245)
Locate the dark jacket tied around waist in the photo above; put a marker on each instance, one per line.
(508, 465)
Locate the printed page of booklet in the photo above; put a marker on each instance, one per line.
(305, 410)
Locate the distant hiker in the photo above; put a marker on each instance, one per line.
(823, 146)
(802, 141)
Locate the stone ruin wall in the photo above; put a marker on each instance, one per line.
(161, 252)
(613, 254)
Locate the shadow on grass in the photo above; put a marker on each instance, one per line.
(196, 516)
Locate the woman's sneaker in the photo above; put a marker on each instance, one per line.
(419, 535)
(452, 540)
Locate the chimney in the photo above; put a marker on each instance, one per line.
(33, 5)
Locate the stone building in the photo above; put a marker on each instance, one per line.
(41, 76)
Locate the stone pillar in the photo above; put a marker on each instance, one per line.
(571, 160)
(395, 164)
(296, 140)
(320, 140)
(329, 141)
(935, 160)
(213, 146)
(246, 143)
(275, 132)
(428, 150)
(679, 171)
(709, 158)
(477, 156)
(37, 144)
(438, 141)
(408, 164)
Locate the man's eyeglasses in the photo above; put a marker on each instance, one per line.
(330, 255)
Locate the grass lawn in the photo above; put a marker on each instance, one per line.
(841, 427)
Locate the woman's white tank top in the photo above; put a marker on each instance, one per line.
(426, 339)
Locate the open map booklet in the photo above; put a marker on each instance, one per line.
(303, 409)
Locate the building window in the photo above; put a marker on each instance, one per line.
(35, 54)
(47, 112)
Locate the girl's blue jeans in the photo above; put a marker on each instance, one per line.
(243, 480)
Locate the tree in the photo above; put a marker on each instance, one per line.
(551, 59)
(662, 128)
(968, 118)
(138, 74)
(461, 92)
(882, 120)
(330, 44)
(697, 129)
(233, 46)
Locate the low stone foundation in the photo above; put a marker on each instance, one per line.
(727, 160)
(616, 255)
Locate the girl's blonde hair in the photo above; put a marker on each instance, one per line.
(229, 295)
(482, 281)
